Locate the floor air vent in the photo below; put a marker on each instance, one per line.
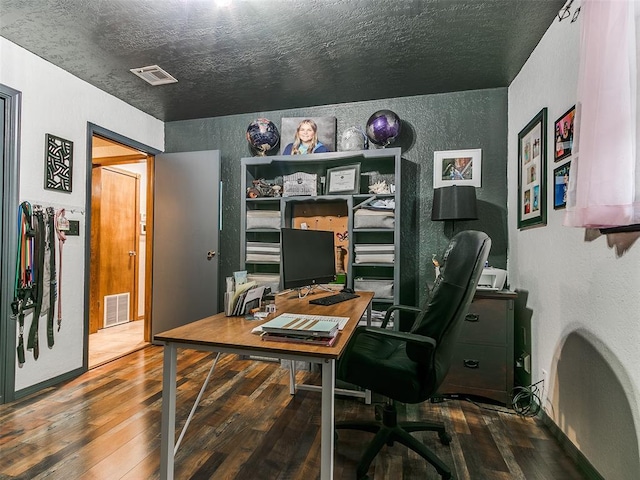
(116, 309)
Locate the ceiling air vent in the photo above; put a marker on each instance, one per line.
(154, 75)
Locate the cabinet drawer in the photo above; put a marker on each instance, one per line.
(486, 322)
(478, 366)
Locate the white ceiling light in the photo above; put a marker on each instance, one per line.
(153, 75)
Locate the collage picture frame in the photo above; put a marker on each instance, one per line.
(532, 172)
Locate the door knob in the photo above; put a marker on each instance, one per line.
(210, 254)
(132, 253)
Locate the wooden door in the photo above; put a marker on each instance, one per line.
(114, 240)
(186, 221)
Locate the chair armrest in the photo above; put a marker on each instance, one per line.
(419, 340)
(401, 308)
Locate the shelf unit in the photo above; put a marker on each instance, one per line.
(375, 165)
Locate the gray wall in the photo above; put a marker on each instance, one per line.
(450, 121)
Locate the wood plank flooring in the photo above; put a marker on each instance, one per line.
(106, 425)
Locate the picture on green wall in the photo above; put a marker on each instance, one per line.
(457, 167)
(532, 172)
(305, 135)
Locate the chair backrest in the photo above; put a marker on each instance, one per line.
(451, 296)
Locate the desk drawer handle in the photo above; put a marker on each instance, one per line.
(472, 317)
(471, 363)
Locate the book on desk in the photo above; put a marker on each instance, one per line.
(300, 328)
(279, 337)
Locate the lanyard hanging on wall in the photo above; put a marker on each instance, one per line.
(62, 225)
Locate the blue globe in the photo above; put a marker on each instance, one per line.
(263, 135)
(383, 127)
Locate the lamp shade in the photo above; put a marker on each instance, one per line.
(457, 202)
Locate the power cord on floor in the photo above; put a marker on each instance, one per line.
(526, 401)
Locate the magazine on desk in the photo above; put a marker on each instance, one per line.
(279, 337)
(305, 325)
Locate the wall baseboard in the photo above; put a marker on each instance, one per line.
(567, 445)
(52, 382)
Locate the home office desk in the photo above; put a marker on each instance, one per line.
(222, 334)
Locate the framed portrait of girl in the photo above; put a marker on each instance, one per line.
(306, 135)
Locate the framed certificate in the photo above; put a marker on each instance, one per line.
(344, 179)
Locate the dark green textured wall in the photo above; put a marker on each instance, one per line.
(450, 121)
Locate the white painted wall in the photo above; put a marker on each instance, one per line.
(53, 101)
(585, 299)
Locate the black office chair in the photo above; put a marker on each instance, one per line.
(409, 366)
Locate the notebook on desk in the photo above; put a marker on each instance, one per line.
(309, 325)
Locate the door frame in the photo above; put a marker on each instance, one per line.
(9, 182)
(93, 129)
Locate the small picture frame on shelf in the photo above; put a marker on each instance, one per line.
(457, 167)
(343, 180)
(300, 184)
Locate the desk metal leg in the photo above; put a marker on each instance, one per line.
(168, 428)
(292, 377)
(327, 426)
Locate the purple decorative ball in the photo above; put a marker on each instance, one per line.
(263, 135)
(383, 127)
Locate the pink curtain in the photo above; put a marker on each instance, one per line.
(604, 180)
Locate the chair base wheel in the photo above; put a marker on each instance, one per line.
(445, 438)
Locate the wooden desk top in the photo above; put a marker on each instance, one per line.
(235, 332)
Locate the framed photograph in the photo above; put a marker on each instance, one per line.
(457, 167)
(58, 159)
(304, 135)
(560, 186)
(564, 135)
(344, 179)
(532, 172)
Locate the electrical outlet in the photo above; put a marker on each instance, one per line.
(526, 360)
(544, 387)
(74, 228)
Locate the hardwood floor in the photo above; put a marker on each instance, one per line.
(106, 425)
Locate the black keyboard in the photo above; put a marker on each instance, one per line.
(333, 299)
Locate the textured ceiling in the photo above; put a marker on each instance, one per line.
(260, 55)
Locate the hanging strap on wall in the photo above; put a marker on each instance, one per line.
(51, 248)
(61, 225)
(23, 298)
(38, 279)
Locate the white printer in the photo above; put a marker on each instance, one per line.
(492, 279)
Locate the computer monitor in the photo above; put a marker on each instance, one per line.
(308, 257)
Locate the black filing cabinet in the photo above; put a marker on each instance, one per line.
(483, 359)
